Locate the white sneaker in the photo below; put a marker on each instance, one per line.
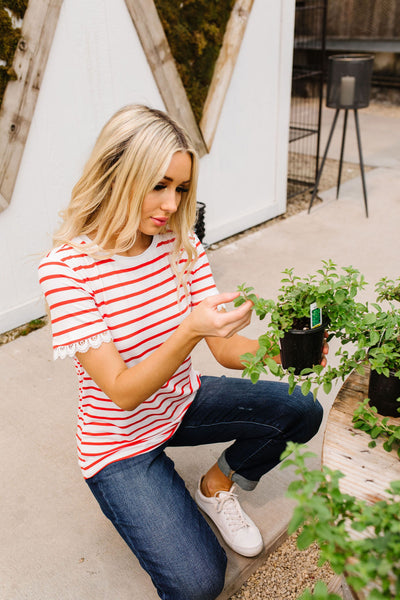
(237, 529)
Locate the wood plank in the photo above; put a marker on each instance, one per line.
(158, 53)
(337, 585)
(224, 67)
(368, 471)
(20, 96)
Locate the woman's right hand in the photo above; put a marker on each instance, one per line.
(210, 319)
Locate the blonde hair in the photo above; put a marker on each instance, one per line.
(130, 156)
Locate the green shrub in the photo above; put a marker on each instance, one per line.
(9, 36)
(195, 30)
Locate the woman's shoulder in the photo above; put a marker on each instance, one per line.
(68, 254)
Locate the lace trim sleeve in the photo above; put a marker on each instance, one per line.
(83, 346)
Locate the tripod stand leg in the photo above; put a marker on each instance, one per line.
(341, 153)
(361, 161)
(323, 159)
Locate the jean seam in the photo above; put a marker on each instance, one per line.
(233, 423)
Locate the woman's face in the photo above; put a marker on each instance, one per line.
(163, 201)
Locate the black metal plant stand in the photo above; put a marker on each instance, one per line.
(349, 84)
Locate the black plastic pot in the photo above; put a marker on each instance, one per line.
(302, 348)
(200, 226)
(383, 393)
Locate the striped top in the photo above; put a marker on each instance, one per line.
(132, 301)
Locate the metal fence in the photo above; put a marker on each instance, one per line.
(306, 98)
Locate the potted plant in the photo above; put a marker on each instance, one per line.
(384, 355)
(370, 562)
(304, 309)
(376, 336)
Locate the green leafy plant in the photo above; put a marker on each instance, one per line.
(376, 337)
(377, 332)
(331, 291)
(10, 12)
(366, 418)
(325, 515)
(384, 355)
(195, 31)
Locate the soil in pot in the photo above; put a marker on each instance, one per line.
(383, 393)
(302, 348)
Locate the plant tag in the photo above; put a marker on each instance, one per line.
(315, 315)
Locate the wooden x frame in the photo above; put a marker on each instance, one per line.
(30, 60)
(20, 96)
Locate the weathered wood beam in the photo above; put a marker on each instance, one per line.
(20, 97)
(158, 53)
(224, 69)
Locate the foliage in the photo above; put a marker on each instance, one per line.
(377, 333)
(366, 418)
(384, 355)
(9, 36)
(332, 292)
(195, 30)
(376, 337)
(320, 593)
(22, 330)
(327, 516)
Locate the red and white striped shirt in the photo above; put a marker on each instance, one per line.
(131, 301)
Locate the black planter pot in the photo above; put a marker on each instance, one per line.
(200, 226)
(302, 348)
(383, 393)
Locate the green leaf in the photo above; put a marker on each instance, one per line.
(254, 377)
(272, 365)
(340, 296)
(306, 387)
(327, 387)
(375, 432)
(370, 318)
(306, 371)
(239, 301)
(305, 539)
(297, 520)
(323, 288)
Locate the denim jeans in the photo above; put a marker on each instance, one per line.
(147, 500)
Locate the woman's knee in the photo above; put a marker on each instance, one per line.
(311, 414)
(204, 581)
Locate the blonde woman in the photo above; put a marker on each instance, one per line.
(131, 293)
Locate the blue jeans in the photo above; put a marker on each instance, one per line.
(149, 505)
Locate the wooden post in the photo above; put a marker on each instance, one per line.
(224, 69)
(20, 97)
(155, 45)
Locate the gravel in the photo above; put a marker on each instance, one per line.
(285, 574)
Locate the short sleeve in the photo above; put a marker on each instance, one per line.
(76, 322)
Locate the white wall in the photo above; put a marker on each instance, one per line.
(96, 65)
(243, 179)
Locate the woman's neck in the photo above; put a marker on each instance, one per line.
(142, 242)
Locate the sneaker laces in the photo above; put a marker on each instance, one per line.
(228, 504)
